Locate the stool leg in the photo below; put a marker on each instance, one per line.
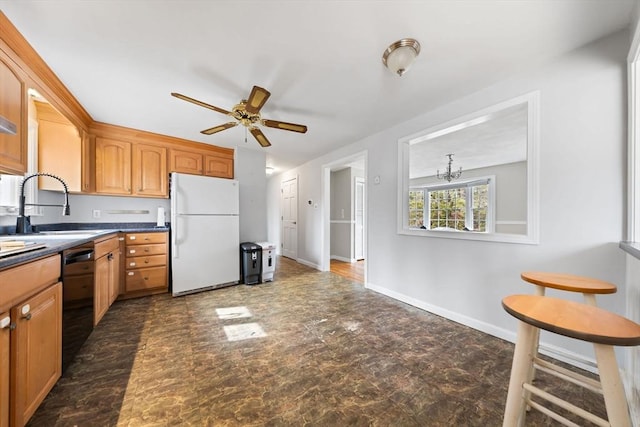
(520, 373)
(614, 397)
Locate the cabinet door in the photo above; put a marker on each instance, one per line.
(59, 149)
(36, 351)
(114, 275)
(113, 166)
(5, 322)
(219, 166)
(102, 289)
(13, 148)
(150, 170)
(185, 162)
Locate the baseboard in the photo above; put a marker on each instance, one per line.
(308, 263)
(553, 351)
(343, 259)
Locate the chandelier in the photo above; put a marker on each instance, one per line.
(449, 175)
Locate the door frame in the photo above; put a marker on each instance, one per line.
(325, 262)
(295, 252)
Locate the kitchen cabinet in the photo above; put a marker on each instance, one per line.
(199, 162)
(106, 276)
(59, 149)
(183, 161)
(119, 162)
(150, 170)
(146, 263)
(13, 107)
(31, 295)
(5, 325)
(220, 166)
(113, 166)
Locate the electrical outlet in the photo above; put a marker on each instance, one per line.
(96, 213)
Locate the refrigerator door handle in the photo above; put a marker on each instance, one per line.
(174, 222)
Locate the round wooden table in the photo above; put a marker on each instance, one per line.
(568, 282)
(575, 320)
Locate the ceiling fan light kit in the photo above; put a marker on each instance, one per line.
(400, 55)
(247, 113)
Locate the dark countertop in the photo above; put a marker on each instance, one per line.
(60, 243)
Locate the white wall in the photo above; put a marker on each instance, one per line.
(250, 172)
(582, 158)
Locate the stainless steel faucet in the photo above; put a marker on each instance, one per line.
(23, 225)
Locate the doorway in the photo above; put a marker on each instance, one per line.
(344, 192)
(289, 218)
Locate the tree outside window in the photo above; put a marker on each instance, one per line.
(464, 206)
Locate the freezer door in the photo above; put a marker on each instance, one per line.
(205, 252)
(194, 194)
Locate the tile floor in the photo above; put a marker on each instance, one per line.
(332, 354)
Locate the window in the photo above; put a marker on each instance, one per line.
(464, 206)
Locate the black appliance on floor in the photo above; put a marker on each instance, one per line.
(250, 263)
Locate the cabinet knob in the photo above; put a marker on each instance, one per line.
(131, 273)
(146, 261)
(146, 278)
(146, 250)
(132, 251)
(5, 322)
(132, 264)
(26, 311)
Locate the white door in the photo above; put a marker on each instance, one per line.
(289, 206)
(359, 242)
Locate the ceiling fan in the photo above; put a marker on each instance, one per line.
(247, 113)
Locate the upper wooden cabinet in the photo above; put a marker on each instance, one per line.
(59, 149)
(150, 170)
(113, 166)
(213, 162)
(13, 107)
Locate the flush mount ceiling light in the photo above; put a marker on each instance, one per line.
(400, 55)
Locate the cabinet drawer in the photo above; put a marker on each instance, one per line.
(145, 238)
(106, 246)
(146, 278)
(77, 291)
(21, 282)
(142, 250)
(146, 261)
(78, 269)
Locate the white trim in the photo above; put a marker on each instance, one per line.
(532, 235)
(553, 351)
(341, 221)
(508, 222)
(343, 259)
(309, 264)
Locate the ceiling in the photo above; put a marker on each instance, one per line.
(320, 59)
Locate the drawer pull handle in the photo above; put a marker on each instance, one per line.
(146, 238)
(5, 323)
(132, 264)
(132, 251)
(146, 278)
(146, 261)
(132, 237)
(131, 273)
(146, 250)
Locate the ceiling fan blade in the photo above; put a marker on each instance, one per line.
(284, 126)
(257, 98)
(219, 128)
(259, 136)
(200, 103)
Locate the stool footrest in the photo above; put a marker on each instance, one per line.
(564, 405)
(567, 375)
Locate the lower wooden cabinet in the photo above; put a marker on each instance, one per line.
(30, 337)
(36, 349)
(146, 263)
(107, 276)
(5, 333)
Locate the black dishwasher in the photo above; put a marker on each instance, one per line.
(77, 300)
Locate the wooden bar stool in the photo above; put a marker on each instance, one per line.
(569, 282)
(580, 321)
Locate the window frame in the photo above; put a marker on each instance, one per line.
(532, 235)
(469, 184)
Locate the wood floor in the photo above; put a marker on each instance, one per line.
(350, 270)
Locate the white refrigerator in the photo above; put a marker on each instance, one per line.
(205, 233)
